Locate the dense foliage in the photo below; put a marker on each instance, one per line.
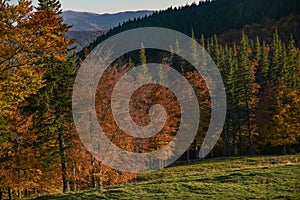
(40, 150)
(208, 17)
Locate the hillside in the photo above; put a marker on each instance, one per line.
(83, 38)
(86, 27)
(272, 177)
(209, 17)
(44, 151)
(84, 21)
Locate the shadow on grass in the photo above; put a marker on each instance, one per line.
(73, 196)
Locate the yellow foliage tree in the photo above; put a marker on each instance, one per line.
(287, 120)
(28, 39)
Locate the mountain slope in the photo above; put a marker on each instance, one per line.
(209, 17)
(88, 26)
(84, 21)
(83, 38)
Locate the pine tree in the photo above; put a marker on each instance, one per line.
(234, 99)
(284, 70)
(216, 51)
(50, 5)
(54, 101)
(263, 69)
(177, 59)
(246, 86)
(275, 56)
(194, 50)
(257, 50)
(143, 61)
(292, 64)
(229, 85)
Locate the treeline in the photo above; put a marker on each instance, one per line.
(262, 82)
(40, 150)
(208, 18)
(263, 95)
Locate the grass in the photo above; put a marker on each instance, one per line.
(263, 177)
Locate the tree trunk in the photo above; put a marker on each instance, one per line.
(225, 140)
(19, 194)
(249, 129)
(19, 168)
(235, 149)
(240, 142)
(224, 145)
(73, 185)
(26, 193)
(284, 149)
(63, 158)
(9, 193)
(228, 142)
(188, 155)
(201, 147)
(195, 149)
(94, 180)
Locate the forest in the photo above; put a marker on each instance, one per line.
(40, 150)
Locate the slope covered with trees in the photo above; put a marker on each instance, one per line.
(209, 17)
(40, 151)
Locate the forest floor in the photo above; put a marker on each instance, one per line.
(257, 177)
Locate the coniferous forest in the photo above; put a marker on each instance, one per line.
(255, 45)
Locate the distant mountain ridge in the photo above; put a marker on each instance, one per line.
(88, 26)
(85, 21)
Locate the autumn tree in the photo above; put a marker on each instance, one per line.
(53, 103)
(286, 117)
(21, 56)
(32, 39)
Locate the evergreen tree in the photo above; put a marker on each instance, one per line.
(50, 5)
(54, 100)
(263, 68)
(275, 50)
(194, 50)
(229, 85)
(178, 64)
(235, 90)
(246, 86)
(143, 61)
(257, 50)
(292, 65)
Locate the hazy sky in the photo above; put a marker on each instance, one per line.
(113, 6)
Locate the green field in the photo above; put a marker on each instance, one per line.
(269, 177)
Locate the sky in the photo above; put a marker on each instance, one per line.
(113, 6)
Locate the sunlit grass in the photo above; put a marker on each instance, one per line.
(264, 177)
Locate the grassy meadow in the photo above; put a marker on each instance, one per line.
(261, 177)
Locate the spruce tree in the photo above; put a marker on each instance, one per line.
(194, 50)
(246, 83)
(50, 5)
(263, 68)
(54, 100)
(234, 93)
(275, 50)
(292, 64)
(257, 50)
(143, 61)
